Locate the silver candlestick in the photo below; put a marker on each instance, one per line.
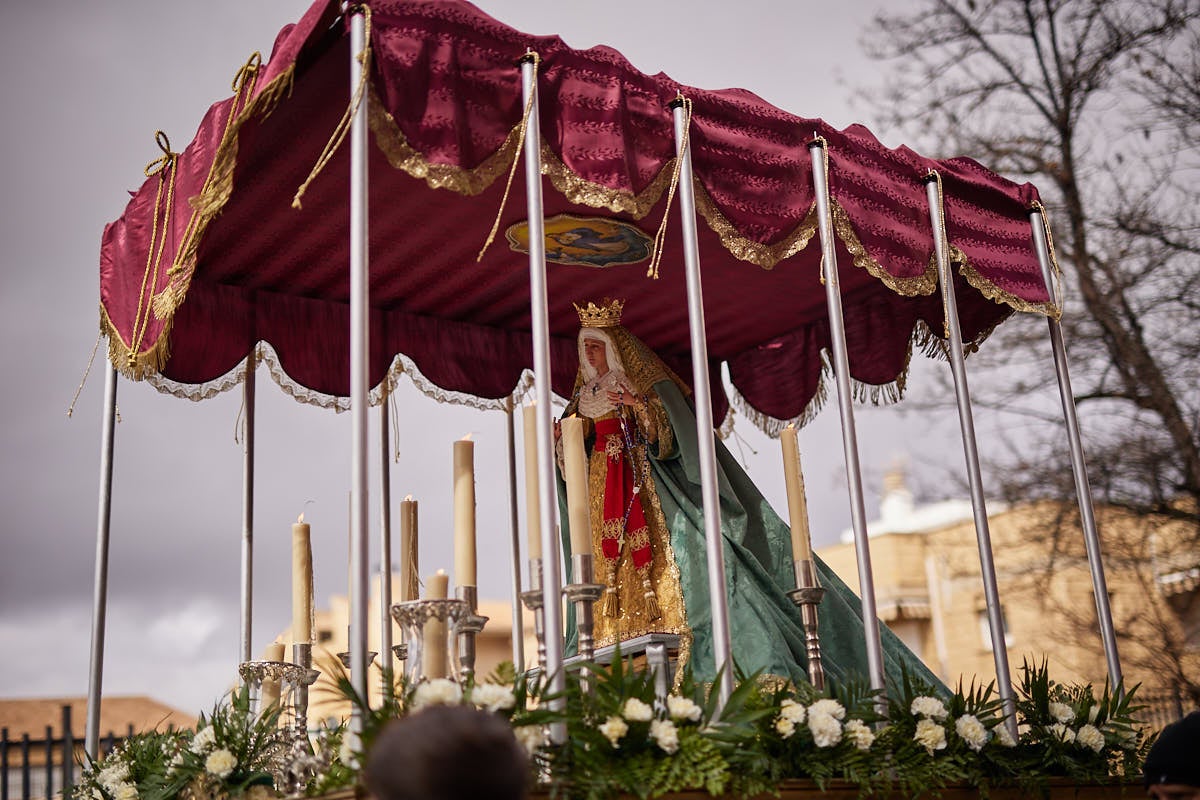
(584, 593)
(345, 658)
(256, 673)
(807, 597)
(469, 626)
(301, 763)
(535, 602)
(413, 615)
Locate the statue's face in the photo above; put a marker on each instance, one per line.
(596, 354)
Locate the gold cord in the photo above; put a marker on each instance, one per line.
(1056, 270)
(943, 242)
(660, 237)
(86, 371)
(343, 126)
(164, 168)
(522, 129)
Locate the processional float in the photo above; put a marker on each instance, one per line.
(453, 99)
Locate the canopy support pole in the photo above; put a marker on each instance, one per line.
(100, 587)
(705, 433)
(540, 319)
(841, 371)
(518, 627)
(248, 505)
(359, 344)
(385, 550)
(966, 422)
(1083, 488)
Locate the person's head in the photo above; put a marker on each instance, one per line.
(447, 753)
(1172, 767)
(597, 353)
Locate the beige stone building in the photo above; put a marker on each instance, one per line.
(929, 591)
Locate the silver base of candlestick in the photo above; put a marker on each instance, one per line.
(468, 628)
(413, 616)
(301, 764)
(584, 593)
(807, 596)
(345, 658)
(255, 673)
(535, 602)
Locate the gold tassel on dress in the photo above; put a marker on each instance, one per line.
(612, 602)
(653, 612)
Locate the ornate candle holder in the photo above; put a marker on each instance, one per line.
(535, 602)
(255, 673)
(413, 615)
(807, 596)
(301, 763)
(583, 593)
(469, 626)
(345, 658)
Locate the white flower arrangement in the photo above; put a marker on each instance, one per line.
(204, 739)
(785, 727)
(1062, 732)
(683, 708)
(437, 692)
(664, 733)
(828, 706)
(792, 711)
(613, 729)
(930, 735)
(1004, 737)
(1090, 736)
(972, 731)
(929, 707)
(493, 697)
(825, 728)
(1062, 712)
(636, 710)
(220, 763)
(859, 733)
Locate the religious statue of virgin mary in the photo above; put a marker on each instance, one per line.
(648, 526)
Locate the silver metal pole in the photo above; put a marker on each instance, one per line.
(359, 331)
(1083, 488)
(966, 421)
(248, 507)
(540, 318)
(100, 590)
(841, 370)
(518, 627)
(705, 435)
(385, 547)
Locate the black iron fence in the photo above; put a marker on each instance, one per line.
(46, 767)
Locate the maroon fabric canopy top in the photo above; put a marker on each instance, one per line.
(211, 258)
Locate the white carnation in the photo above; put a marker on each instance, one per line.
(113, 775)
(1062, 732)
(493, 697)
(860, 734)
(1093, 712)
(637, 711)
(613, 729)
(437, 692)
(683, 708)
(930, 707)
(972, 731)
(1090, 736)
(531, 737)
(1004, 737)
(785, 727)
(831, 707)
(930, 735)
(663, 732)
(1062, 712)
(220, 763)
(826, 730)
(204, 739)
(125, 791)
(792, 711)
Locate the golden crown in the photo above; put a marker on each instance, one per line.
(605, 315)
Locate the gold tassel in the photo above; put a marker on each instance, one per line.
(612, 604)
(660, 237)
(652, 609)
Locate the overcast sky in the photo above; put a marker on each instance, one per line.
(84, 87)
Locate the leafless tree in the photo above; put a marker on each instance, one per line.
(1097, 102)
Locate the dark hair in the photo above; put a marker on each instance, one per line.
(1175, 756)
(447, 753)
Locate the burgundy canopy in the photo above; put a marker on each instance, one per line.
(210, 257)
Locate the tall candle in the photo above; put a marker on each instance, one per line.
(302, 582)
(464, 512)
(270, 686)
(797, 503)
(533, 505)
(434, 645)
(408, 549)
(575, 467)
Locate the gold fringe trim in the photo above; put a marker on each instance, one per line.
(764, 255)
(908, 287)
(584, 192)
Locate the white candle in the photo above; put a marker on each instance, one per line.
(434, 646)
(464, 512)
(533, 511)
(575, 467)
(408, 549)
(797, 504)
(302, 581)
